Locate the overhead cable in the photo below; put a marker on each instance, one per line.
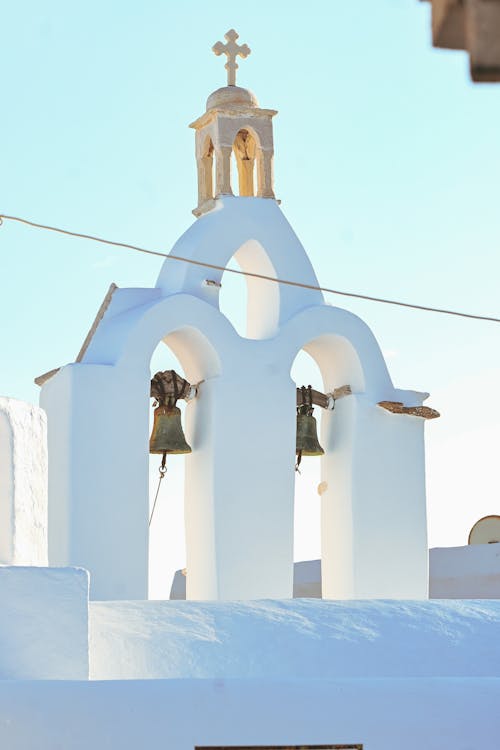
(264, 277)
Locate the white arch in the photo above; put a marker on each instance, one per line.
(218, 235)
(262, 298)
(129, 338)
(344, 348)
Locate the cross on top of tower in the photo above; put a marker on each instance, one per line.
(231, 50)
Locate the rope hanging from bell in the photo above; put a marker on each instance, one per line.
(163, 471)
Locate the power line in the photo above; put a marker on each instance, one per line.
(213, 266)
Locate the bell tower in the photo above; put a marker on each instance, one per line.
(233, 124)
(238, 500)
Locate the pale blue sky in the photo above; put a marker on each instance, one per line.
(387, 165)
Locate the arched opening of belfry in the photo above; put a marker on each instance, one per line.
(307, 501)
(251, 305)
(182, 355)
(167, 544)
(325, 371)
(244, 166)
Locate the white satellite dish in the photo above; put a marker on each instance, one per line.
(485, 531)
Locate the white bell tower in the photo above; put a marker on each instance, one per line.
(239, 500)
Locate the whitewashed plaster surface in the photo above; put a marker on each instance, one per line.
(239, 518)
(299, 639)
(383, 714)
(43, 623)
(23, 483)
(469, 572)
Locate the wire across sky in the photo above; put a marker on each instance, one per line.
(288, 282)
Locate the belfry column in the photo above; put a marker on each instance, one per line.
(204, 166)
(223, 170)
(374, 527)
(266, 174)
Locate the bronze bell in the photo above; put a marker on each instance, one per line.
(307, 437)
(167, 435)
(307, 443)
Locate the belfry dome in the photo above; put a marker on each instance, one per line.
(231, 96)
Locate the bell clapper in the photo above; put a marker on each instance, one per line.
(163, 468)
(297, 463)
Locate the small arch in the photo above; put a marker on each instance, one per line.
(245, 148)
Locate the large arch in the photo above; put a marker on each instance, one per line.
(99, 418)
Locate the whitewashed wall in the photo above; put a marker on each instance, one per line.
(469, 572)
(297, 639)
(380, 714)
(23, 483)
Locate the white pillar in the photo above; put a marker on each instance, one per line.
(374, 529)
(239, 491)
(98, 476)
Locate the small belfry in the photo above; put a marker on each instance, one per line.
(233, 125)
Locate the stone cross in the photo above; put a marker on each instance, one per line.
(232, 50)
